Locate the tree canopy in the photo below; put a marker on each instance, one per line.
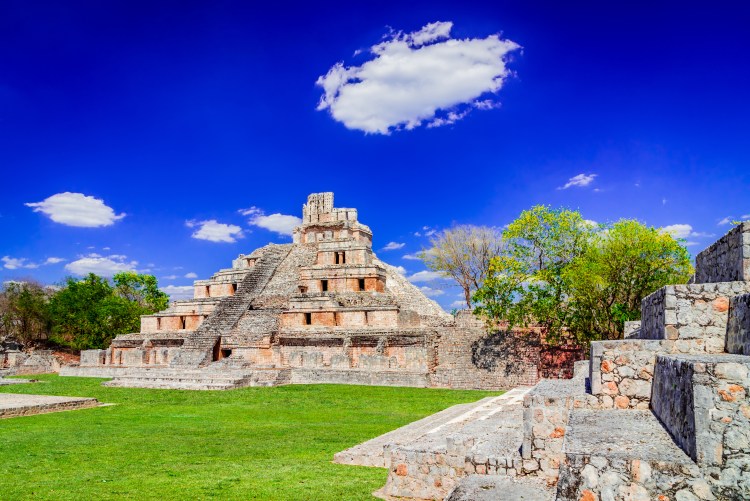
(463, 253)
(574, 277)
(82, 313)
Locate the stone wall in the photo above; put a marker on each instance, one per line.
(622, 371)
(703, 402)
(727, 260)
(690, 312)
(738, 327)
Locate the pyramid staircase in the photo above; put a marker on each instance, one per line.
(193, 366)
(662, 415)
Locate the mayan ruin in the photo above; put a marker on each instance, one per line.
(323, 309)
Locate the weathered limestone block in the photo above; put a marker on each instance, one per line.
(702, 400)
(93, 357)
(727, 260)
(738, 327)
(632, 329)
(693, 311)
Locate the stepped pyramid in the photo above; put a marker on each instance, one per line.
(662, 415)
(323, 309)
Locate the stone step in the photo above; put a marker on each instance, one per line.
(702, 401)
(616, 454)
(200, 380)
(484, 439)
(371, 453)
(501, 488)
(16, 405)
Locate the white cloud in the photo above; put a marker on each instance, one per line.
(77, 209)
(745, 217)
(431, 292)
(401, 270)
(393, 246)
(725, 221)
(425, 276)
(412, 79)
(579, 181)
(685, 231)
(679, 230)
(178, 291)
(15, 263)
(412, 257)
(191, 275)
(101, 265)
(458, 304)
(214, 231)
(425, 232)
(53, 260)
(282, 224)
(169, 277)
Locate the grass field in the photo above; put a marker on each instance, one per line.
(252, 443)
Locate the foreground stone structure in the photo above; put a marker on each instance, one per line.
(17, 405)
(661, 415)
(323, 309)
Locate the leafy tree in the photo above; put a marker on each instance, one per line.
(573, 277)
(88, 313)
(527, 283)
(464, 253)
(140, 289)
(23, 311)
(622, 266)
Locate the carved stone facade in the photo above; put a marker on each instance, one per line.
(325, 307)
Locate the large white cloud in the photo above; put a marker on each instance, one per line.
(393, 246)
(283, 224)
(214, 231)
(418, 78)
(105, 266)
(16, 263)
(77, 209)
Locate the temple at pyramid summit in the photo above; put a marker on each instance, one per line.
(323, 309)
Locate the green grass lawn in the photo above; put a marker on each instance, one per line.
(252, 443)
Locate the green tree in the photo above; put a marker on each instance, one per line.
(576, 278)
(23, 311)
(622, 266)
(527, 282)
(463, 253)
(140, 289)
(88, 313)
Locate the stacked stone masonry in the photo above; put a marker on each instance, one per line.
(663, 414)
(326, 308)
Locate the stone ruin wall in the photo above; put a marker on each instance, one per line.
(738, 327)
(727, 260)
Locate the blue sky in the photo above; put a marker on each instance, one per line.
(172, 136)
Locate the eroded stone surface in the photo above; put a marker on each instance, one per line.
(15, 405)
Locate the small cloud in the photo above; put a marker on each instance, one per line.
(745, 217)
(101, 265)
(458, 304)
(685, 231)
(77, 209)
(191, 275)
(426, 231)
(664, 201)
(727, 220)
(13, 263)
(401, 270)
(425, 276)
(169, 277)
(679, 230)
(178, 291)
(282, 224)
(214, 231)
(393, 246)
(412, 257)
(53, 260)
(431, 292)
(419, 78)
(579, 181)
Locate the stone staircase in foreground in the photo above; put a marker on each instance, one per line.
(662, 415)
(202, 379)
